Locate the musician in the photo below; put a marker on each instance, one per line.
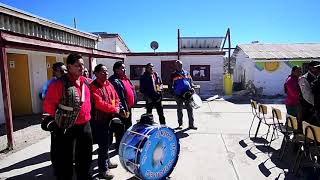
(182, 88)
(125, 91)
(106, 106)
(151, 87)
(68, 106)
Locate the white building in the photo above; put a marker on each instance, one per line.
(268, 65)
(201, 56)
(29, 46)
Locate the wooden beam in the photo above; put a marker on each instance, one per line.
(6, 96)
(12, 40)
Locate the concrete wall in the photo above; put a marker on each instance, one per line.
(270, 82)
(107, 44)
(215, 85)
(120, 47)
(208, 88)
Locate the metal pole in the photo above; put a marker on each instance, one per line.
(178, 44)
(6, 96)
(90, 66)
(229, 51)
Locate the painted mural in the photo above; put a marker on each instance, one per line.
(273, 66)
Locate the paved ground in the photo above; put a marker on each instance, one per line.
(219, 149)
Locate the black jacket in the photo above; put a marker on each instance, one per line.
(119, 87)
(146, 86)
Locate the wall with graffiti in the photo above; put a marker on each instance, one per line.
(271, 75)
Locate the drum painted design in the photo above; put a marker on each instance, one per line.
(149, 152)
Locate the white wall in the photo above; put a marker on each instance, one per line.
(272, 82)
(107, 44)
(143, 60)
(108, 62)
(120, 47)
(208, 88)
(215, 85)
(37, 76)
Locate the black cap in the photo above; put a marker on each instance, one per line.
(149, 64)
(314, 64)
(146, 119)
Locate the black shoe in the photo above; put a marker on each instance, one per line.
(193, 127)
(106, 175)
(112, 165)
(179, 127)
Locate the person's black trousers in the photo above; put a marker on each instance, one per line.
(63, 152)
(102, 137)
(159, 108)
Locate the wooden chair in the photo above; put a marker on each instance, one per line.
(310, 150)
(254, 110)
(262, 112)
(278, 126)
(291, 135)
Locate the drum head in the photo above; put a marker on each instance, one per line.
(130, 145)
(159, 154)
(197, 102)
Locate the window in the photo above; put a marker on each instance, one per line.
(136, 71)
(200, 72)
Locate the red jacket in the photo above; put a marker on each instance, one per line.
(54, 95)
(105, 98)
(292, 90)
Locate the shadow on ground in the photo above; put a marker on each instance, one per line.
(261, 99)
(22, 122)
(273, 155)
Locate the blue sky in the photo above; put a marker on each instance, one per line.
(141, 21)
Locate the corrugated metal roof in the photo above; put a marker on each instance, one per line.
(281, 51)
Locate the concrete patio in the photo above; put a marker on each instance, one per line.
(219, 149)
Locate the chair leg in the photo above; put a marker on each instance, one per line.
(254, 116)
(283, 148)
(268, 132)
(297, 161)
(255, 136)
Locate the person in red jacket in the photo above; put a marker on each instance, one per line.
(106, 107)
(291, 88)
(67, 105)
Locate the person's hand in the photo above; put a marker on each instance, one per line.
(48, 124)
(124, 114)
(117, 110)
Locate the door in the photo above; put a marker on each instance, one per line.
(19, 84)
(167, 67)
(65, 61)
(50, 61)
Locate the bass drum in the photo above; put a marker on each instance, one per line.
(149, 152)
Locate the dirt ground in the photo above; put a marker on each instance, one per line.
(26, 131)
